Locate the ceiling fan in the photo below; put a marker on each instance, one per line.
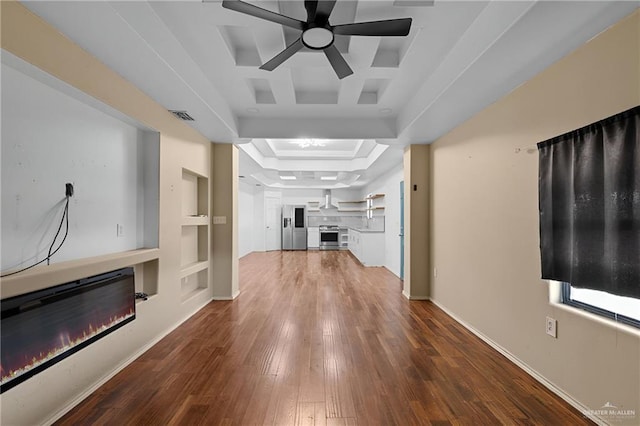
(318, 33)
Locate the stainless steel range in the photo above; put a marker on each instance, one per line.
(329, 237)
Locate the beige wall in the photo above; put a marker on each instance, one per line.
(224, 195)
(50, 392)
(416, 222)
(485, 241)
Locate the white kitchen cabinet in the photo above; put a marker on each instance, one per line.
(367, 247)
(313, 237)
(344, 238)
(354, 243)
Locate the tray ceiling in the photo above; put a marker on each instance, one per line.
(458, 57)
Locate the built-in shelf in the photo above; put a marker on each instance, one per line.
(188, 294)
(195, 194)
(195, 220)
(193, 268)
(194, 261)
(146, 277)
(145, 262)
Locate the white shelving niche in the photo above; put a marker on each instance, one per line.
(194, 262)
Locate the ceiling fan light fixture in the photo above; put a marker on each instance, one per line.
(317, 33)
(317, 38)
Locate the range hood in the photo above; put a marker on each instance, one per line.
(326, 203)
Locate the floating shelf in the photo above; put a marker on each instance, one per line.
(374, 196)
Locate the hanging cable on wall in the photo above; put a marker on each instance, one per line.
(65, 219)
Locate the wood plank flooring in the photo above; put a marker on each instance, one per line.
(316, 339)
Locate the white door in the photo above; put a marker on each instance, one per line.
(272, 222)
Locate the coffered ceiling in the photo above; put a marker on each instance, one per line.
(201, 58)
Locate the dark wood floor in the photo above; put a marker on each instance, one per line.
(316, 339)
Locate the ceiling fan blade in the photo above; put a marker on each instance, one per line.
(338, 63)
(258, 12)
(390, 27)
(283, 56)
(323, 11)
(311, 6)
(318, 11)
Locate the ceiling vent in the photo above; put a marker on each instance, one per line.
(182, 115)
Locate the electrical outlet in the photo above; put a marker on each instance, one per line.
(551, 327)
(219, 220)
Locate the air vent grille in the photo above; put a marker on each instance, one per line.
(182, 115)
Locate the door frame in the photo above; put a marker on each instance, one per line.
(401, 235)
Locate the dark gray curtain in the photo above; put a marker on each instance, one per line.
(589, 188)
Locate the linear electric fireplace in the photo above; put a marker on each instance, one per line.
(43, 327)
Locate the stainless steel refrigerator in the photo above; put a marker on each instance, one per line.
(294, 227)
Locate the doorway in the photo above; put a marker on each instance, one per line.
(272, 224)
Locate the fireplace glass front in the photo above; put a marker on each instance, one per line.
(43, 327)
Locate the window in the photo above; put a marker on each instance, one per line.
(589, 201)
(625, 310)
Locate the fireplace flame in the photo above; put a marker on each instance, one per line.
(66, 343)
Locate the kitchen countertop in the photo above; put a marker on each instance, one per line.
(371, 231)
(342, 228)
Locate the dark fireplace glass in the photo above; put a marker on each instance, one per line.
(45, 326)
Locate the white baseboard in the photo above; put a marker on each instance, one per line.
(221, 298)
(533, 373)
(410, 297)
(58, 415)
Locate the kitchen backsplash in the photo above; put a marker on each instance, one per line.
(358, 222)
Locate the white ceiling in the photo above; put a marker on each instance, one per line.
(458, 58)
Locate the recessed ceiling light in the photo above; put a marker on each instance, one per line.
(253, 110)
(304, 143)
(328, 177)
(241, 177)
(386, 111)
(288, 177)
